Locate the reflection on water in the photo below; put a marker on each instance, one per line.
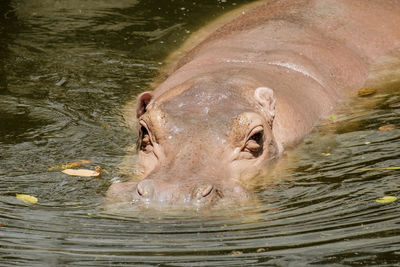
(68, 67)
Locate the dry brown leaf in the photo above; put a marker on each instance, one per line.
(69, 165)
(388, 127)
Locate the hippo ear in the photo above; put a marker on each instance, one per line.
(266, 101)
(143, 101)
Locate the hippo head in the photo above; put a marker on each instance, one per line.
(199, 142)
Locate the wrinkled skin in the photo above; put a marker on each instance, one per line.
(251, 89)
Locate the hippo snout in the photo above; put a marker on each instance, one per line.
(154, 193)
(151, 192)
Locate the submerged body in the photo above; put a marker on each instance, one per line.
(251, 89)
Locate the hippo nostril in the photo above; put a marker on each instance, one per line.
(207, 189)
(145, 188)
(203, 190)
(139, 191)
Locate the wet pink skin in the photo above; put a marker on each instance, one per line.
(251, 89)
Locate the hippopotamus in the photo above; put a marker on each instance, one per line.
(249, 90)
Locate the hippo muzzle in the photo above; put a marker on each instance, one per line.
(149, 193)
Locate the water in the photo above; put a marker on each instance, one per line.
(66, 70)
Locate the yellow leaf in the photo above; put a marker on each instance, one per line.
(333, 118)
(326, 154)
(27, 198)
(69, 165)
(366, 92)
(81, 172)
(386, 199)
(380, 169)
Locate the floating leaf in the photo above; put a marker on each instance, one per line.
(386, 199)
(380, 169)
(326, 154)
(69, 165)
(27, 198)
(366, 92)
(388, 127)
(82, 172)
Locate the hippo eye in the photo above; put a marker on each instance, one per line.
(254, 144)
(144, 142)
